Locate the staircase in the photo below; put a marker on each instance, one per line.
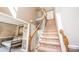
(49, 41)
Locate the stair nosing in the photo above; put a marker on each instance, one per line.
(49, 37)
(51, 43)
(49, 33)
(48, 49)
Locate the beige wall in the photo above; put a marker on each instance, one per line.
(7, 30)
(70, 22)
(5, 10)
(27, 13)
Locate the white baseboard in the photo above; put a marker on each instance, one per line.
(23, 50)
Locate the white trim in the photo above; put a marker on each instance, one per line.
(23, 50)
(13, 12)
(16, 20)
(6, 37)
(59, 25)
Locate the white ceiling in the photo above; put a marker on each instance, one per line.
(9, 19)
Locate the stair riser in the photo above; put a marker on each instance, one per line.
(51, 24)
(56, 38)
(47, 25)
(50, 31)
(47, 51)
(51, 28)
(48, 35)
(50, 40)
(51, 21)
(50, 46)
(54, 34)
(41, 51)
(53, 43)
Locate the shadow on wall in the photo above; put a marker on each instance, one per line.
(7, 30)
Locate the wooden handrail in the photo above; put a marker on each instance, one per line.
(35, 30)
(31, 37)
(45, 15)
(65, 39)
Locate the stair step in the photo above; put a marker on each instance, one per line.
(50, 20)
(51, 33)
(51, 23)
(50, 43)
(50, 46)
(49, 37)
(44, 49)
(52, 40)
(50, 27)
(48, 24)
(51, 30)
